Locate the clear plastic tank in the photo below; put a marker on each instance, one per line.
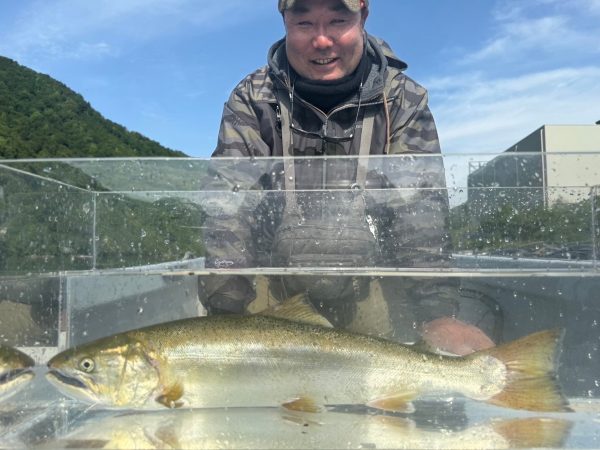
(94, 247)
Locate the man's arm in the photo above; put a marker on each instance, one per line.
(228, 237)
(419, 231)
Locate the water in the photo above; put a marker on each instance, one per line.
(39, 417)
(79, 307)
(89, 248)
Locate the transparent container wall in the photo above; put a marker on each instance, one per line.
(71, 215)
(29, 311)
(106, 303)
(45, 224)
(90, 248)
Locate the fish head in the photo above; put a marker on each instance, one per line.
(15, 370)
(114, 371)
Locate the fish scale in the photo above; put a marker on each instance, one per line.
(261, 360)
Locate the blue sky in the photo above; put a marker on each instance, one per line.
(495, 69)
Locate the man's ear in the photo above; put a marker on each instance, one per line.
(364, 13)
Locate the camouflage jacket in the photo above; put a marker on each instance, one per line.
(251, 122)
(255, 120)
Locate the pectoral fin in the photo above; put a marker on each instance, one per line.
(303, 404)
(170, 396)
(395, 403)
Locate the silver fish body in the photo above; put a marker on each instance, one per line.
(261, 361)
(15, 371)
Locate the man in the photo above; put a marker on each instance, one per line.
(331, 89)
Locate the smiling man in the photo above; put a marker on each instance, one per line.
(332, 89)
(324, 40)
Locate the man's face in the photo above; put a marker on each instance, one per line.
(324, 39)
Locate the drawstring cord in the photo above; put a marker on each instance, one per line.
(387, 124)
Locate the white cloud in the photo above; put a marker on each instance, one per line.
(84, 29)
(593, 6)
(542, 27)
(540, 66)
(489, 115)
(518, 36)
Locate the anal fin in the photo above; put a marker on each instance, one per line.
(395, 403)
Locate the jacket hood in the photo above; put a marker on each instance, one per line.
(378, 50)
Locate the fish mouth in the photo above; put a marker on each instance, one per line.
(56, 375)
(13, 374)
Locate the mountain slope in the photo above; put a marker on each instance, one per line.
(42, 118)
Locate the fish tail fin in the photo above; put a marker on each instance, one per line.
(534, 432)
(531, 378)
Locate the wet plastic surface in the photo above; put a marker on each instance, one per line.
(89, 248)
(39, 417)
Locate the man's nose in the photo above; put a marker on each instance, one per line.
(322, 40)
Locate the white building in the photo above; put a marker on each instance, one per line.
(553, 163)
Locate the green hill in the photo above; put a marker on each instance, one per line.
(42, 118)
(78, 224)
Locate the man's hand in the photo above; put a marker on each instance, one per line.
(454, 336)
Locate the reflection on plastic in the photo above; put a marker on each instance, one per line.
(273, 428)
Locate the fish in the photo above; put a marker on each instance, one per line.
(292, 357)
(260, 428)
(15, 371)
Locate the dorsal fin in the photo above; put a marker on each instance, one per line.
(297, 309)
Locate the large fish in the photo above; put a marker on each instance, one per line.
(263, 428)
(15, 371)
(260, 360)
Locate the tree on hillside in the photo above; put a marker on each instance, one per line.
(42, 118)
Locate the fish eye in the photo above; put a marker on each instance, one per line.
(87, 365)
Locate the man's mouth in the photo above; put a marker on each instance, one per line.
(323, 61)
